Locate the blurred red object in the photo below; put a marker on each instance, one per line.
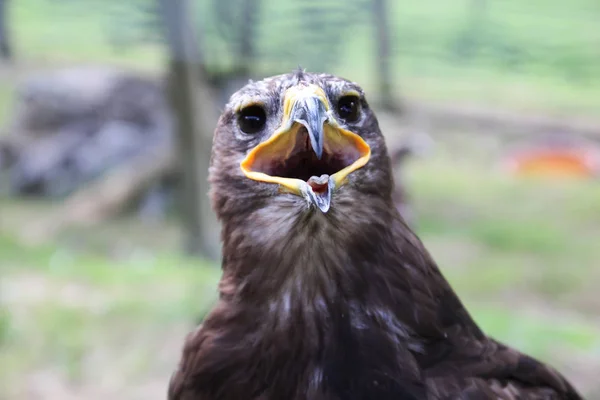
(556, 159)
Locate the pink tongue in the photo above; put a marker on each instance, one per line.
(320, 184)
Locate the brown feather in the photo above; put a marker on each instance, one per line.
(344, 305)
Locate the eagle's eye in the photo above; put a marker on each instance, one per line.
(252, 119)
(348, 108)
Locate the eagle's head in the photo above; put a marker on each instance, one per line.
(301, 142)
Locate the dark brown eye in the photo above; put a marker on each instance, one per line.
(348, 108)
(252, 119)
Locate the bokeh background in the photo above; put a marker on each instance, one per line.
(109, 251)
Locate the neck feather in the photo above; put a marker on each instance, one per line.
(283, 248)
(285, 258)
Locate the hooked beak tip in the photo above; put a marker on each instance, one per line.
(316, 142)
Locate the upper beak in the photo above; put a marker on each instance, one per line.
(311, 112)
(312, 172)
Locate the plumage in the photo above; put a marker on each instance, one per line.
(338, 303)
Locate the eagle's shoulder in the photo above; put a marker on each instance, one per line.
(177, 383)
(488, 369)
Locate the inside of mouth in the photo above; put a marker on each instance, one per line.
(301, 161)
(319, 185)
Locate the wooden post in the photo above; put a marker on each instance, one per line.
(5, 48)
(477, 23)
(382, 37)
(247, 36)
(195, 113)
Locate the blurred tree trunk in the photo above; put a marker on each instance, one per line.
(247, 41)
(5, 47)
(473, 36)
(382, 37)
(194, 108)
(477, 21)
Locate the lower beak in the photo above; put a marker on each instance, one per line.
(310, 154)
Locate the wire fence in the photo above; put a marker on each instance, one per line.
(539, 57)
(553, 39)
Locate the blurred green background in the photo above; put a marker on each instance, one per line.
(101, 311)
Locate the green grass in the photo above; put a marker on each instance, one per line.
(73, 31)
(531, 234)
(85, 315)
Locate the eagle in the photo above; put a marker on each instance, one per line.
(326, 293)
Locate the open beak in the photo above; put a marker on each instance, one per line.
(310, 154)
